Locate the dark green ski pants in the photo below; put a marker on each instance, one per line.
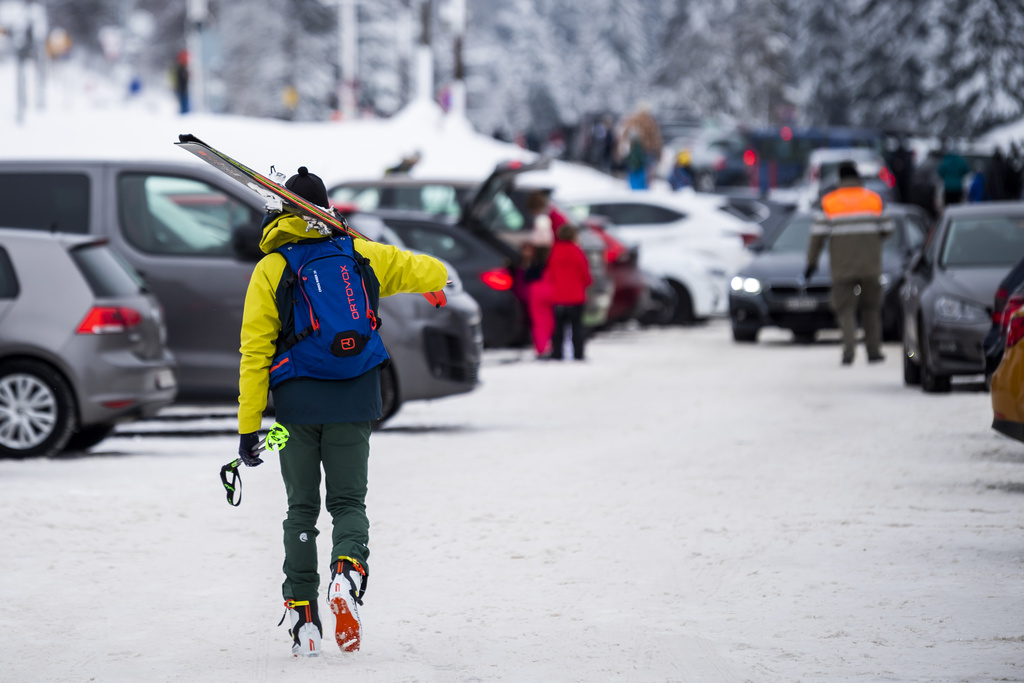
(343, 450)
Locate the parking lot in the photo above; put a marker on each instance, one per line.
(677, 508)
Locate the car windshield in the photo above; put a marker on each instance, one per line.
(795, 237)
(983, 241)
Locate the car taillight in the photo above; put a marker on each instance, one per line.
(887, 177)
(109, 319)
(749, 158)
(1016, 332)
(1012, 305)
(997, 308)
(614, 250)
(498, 279)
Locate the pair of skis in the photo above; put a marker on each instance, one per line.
(278, 195)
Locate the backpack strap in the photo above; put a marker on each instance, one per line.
(286, 297)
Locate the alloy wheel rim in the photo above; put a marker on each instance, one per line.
(28, 411)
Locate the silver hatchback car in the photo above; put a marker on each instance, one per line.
(82, 345)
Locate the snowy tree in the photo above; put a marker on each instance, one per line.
(279, 59)
(893, 70)
(981, 79)
(825, 39)
(725, 58)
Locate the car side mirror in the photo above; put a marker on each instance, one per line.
(919, 262)
(245, 240)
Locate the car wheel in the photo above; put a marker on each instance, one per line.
(37, 409)
(388, 395)
(683, 312)
(744, 335)
(87, 437)
(931, 382)
(894, 330)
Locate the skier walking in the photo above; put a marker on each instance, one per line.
(326, 407)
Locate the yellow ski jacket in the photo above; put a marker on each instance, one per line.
(397, 271)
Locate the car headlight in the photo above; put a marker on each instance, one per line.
(745, 285)
(950, 310)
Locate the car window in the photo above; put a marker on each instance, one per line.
(629, 213)
(365, 198)
(176, 215)
(500, 214)
(986, 241)
(8, 279)
(107, 275)
(891, 245)
(578, 212)
(45, 201)
(439, 199)
(795, 236)
(436, 243)
(916, 231)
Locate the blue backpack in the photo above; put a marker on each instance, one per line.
(327, 301)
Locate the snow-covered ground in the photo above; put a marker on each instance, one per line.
(678, 508)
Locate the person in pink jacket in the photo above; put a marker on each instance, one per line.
(568, 276)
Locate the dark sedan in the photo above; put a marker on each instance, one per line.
(771, 292)
(949, 289)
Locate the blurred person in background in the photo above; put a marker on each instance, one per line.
(995, 177)
(568, 275)
(978, 190)
(181, 81)
(535, 257)
(404, 166)
(901, 162)
(639, 145)
(952, 170)
(681, 175)
(1014, 176)
(852, 222)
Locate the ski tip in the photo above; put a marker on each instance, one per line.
(188, 137)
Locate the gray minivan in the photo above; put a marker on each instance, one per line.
(192, 232)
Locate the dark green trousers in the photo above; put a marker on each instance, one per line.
(845, 303)
(342, 450)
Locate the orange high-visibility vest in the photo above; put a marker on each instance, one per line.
(851, 200)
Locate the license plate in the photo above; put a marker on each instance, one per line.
(165, 379)
(800, 303)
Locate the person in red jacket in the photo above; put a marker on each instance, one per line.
(568, 276)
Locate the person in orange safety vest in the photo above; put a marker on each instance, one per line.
(854, 225)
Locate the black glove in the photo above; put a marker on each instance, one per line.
(246, 446)
(809, 272)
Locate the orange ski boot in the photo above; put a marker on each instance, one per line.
(348, 583)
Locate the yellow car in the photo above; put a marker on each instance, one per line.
(1008, 382)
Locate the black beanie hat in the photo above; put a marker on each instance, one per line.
(309, 187)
